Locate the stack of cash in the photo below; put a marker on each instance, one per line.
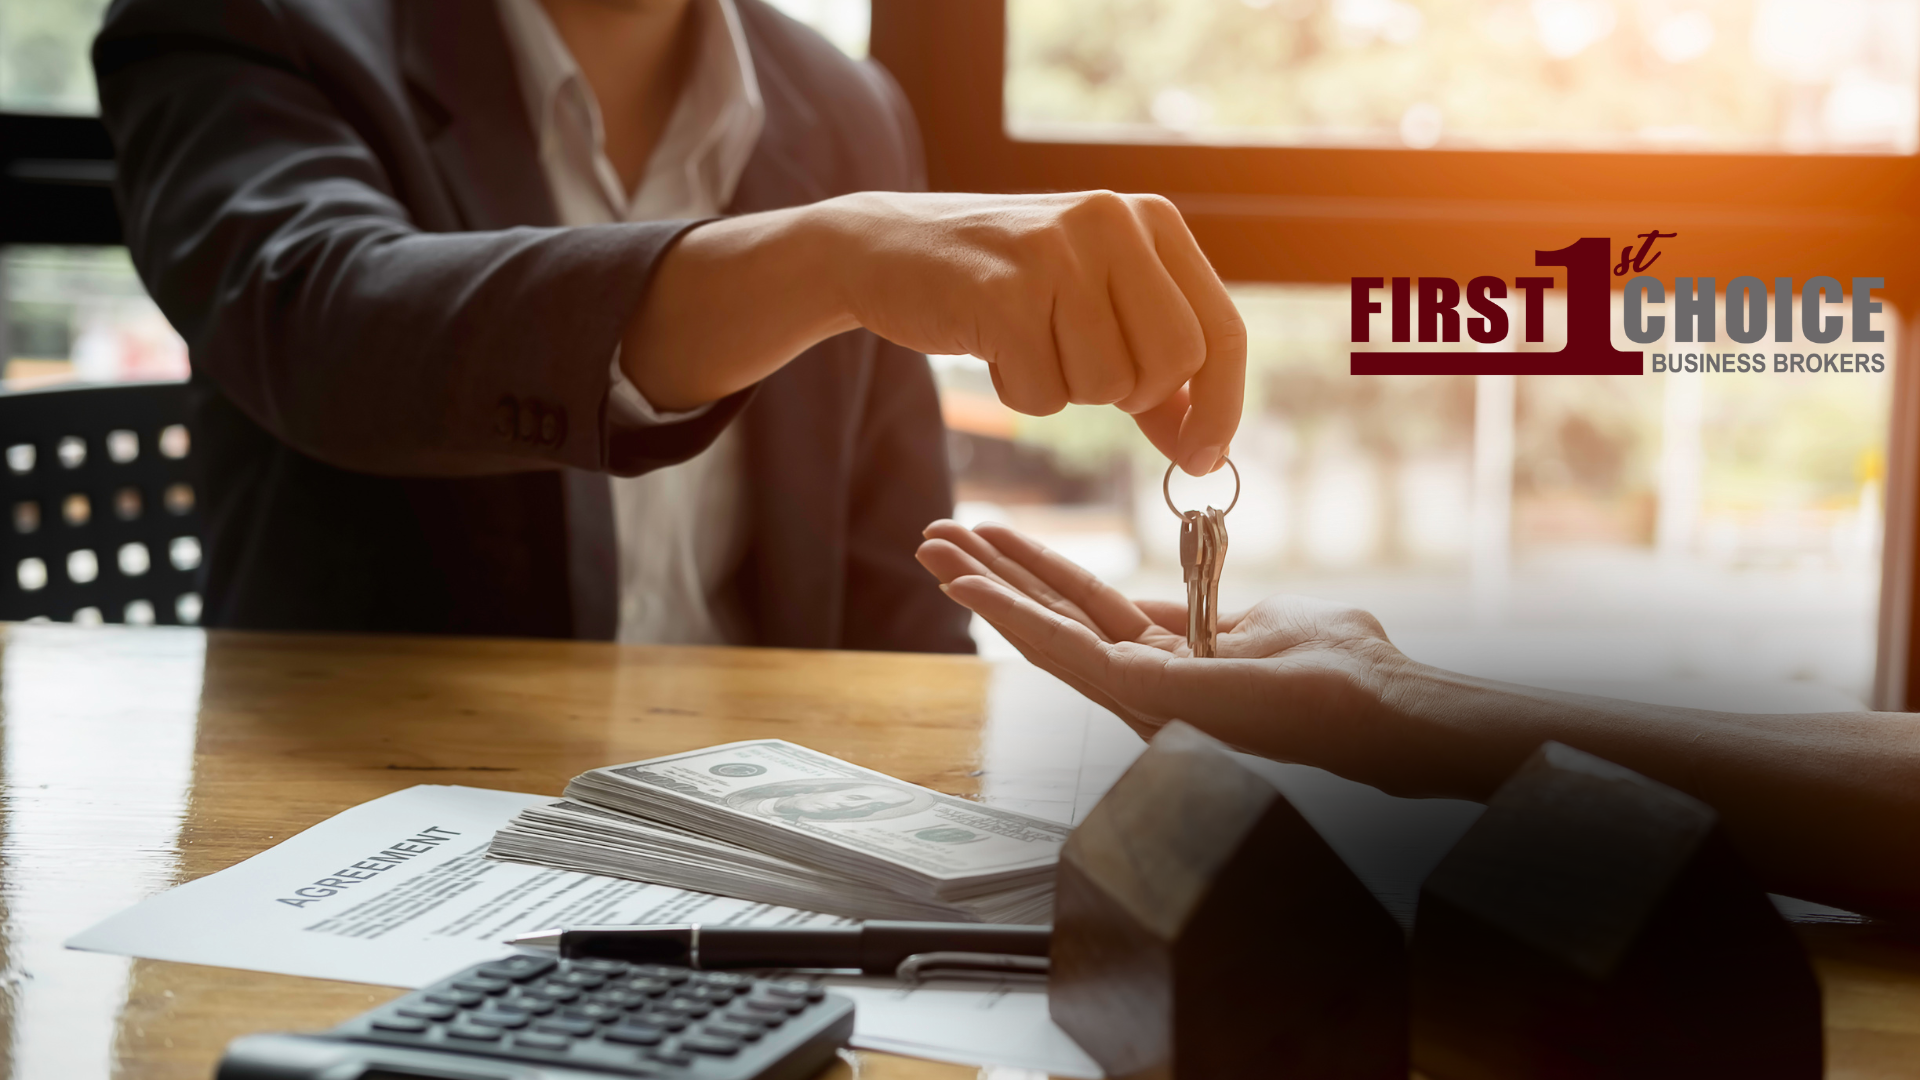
(778, 823)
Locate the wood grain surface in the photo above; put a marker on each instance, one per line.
(135, 759)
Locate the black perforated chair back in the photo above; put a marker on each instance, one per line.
(101, 497)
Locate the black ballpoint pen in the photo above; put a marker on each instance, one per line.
(875, 947)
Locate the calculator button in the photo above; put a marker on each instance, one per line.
(461, 1029)
(727, 1030)
(661, 971)
(538, 1006)
(513, 1019)
(462, 998)
(658, 1014)
(619, 999)
(541, 1040)
(745, 1012)
(559, 1025)
(591, 980)
(637, 1034)
(474, 984)
(728, 978)
(427, 1010)
(686, 1006)
(604, 967)
(591, 1012)
(718, 995)
(711, 1044)
(553, 992)
(400, 1023)
(644, 984)
(670, 1055)
(518, 968)
(793, 987)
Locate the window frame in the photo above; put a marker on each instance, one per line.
(1310, 215)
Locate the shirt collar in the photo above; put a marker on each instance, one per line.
(704, 147)
(542, 59)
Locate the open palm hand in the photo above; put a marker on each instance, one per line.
(1295, 678)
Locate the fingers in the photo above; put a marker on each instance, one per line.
(1128, 324)
(1139, 679)
(952, 550)
(1114, 616)
(1014, 329)
(1133, 675)
(1219, 385)
(1066, 645)
(1167, 614)
(1082, 297)
(1156, 315)
(1029, 380)
(1085, 689)
(1161, 424)
(1095, 360)
(946, 560)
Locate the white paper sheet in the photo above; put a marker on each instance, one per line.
(1007, 1026)
(398, 892)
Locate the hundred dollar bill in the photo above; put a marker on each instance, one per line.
(769, 817)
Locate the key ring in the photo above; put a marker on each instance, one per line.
(1166, 489)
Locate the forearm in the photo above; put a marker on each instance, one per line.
(1825, 806)
(731, 303)
(1073, 298)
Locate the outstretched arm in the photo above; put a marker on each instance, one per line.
(1824, 806)
(1088, 298)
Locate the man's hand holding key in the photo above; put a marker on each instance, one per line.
(1084, 298)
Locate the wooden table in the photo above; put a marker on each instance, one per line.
(131, 760)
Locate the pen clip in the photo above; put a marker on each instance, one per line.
(983, 967)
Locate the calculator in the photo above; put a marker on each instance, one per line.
(529, 1017)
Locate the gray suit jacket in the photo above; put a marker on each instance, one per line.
(402, 363)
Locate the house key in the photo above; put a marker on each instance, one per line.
(1203, 551)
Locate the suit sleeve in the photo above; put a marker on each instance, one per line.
(900, 484)
(258, 201)
(902, 480)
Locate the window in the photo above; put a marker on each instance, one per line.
(1695, 531)
(843, 22)
(80, 313)
(1718, 529)
(43, 55)
(1730, 75)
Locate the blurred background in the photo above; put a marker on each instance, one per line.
(1710, 530)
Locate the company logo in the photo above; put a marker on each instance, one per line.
(1438, 310)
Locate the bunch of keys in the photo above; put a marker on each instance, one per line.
(1203, 550)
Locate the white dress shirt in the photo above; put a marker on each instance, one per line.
(681, 530)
